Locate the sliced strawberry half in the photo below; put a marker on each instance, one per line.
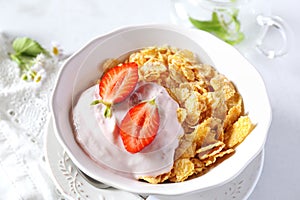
(117, 84)
(140, 126)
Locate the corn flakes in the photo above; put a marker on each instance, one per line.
(212, 159)
(210, 150)
(155, 180)
(181, 115)
(233, 114)
(238, 132)
(199, 166)
(210, 109)
(182, 169)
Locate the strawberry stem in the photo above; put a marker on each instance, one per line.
(108, 111)
(95, 102)
(152, 101)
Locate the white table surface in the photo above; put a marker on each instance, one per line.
(74, 22)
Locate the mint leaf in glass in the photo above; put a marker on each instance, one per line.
(224, 24)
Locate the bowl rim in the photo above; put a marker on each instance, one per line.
(152, 190)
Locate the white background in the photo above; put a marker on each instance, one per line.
(73, 23)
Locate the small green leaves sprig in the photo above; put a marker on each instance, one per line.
(29, 55)
(224, 24)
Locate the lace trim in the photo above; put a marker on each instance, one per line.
(24, 112)
(15, 168)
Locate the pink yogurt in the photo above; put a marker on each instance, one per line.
(99, 138)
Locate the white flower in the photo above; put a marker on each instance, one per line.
(38, 72)
(37, 66)
(40, 59)
(35, 73)
(57, 50)
(39, 75)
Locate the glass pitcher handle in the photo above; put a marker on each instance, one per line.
(267, 22)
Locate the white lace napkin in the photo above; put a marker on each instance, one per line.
(24, 112)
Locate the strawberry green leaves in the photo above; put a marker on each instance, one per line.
(224, 24)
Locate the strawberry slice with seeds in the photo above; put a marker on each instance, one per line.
(140, 126)
(117, 84)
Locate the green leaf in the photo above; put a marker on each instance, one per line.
(209, 26)
(227, 30)
(28, 47)
(26, 50)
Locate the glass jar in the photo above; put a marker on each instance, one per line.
(243, 23)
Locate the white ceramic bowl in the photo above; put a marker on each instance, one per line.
(82, 69)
